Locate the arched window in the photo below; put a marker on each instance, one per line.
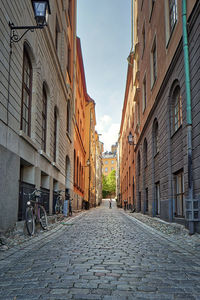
(77, 172)
(145, 147)
(139, 164)
(55, 134)
(176, 109)
(155, 137)
(74, 167)
(44, 119)
(26, 94)
(68, 117)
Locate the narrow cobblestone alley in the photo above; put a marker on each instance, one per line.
(101, 254)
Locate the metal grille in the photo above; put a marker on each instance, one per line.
(24, 190)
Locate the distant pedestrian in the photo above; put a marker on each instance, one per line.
(110, 203)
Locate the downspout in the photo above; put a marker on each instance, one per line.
(188, 110)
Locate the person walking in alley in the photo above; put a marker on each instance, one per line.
(110, 203)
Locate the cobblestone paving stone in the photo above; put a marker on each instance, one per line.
(104, 255)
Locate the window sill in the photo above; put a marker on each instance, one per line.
(175, 132)
(55, 165)
(170, 35)
(46, 156)
(156, 154)
(153, 84)
(28, 139)
(68, 136)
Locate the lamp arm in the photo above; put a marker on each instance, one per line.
(14, 36)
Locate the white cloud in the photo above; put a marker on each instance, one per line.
(109, 131)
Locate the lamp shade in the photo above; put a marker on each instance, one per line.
(41, 11)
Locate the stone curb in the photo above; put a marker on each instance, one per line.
(184, 249)
(26, 245)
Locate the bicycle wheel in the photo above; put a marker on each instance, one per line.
(57, 208)
(43, 218)
(30, 220)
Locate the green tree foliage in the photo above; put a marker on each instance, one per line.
(109, 184)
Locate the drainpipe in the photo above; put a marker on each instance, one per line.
(189, 114)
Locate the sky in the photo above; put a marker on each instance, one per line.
(104, 28)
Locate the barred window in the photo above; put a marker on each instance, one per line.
(26, 95)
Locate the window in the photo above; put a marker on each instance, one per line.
(77, 171)
(74, 167)
(68, 117)
(57, 31)
(154, 63)
(112, 169)
(146, 199)
(172, 14)
(176, 109)
(44, 119)
(179, 195)
(106, 162)
(26, 94)
(69, 62)
(70, 12)
(155, 137)
(157, 198)
(144, 94)
(139, 163)
(106, 170)
(152, 3)
(55, 134)
(145, 152)
(143, 39)
(112, 162)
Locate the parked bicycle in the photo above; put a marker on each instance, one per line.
(59, 202)
(35, 212)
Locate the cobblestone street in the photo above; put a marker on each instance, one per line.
(101, 254)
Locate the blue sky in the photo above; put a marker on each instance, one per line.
(104, 27)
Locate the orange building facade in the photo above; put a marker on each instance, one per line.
(109, 161)
(79, 130)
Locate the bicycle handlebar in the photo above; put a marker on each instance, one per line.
(34, 193)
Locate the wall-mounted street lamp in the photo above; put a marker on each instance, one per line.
(87, 164)
(130, 139)
(41, 11)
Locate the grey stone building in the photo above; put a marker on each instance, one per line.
(36, 106)
(167, 173)
(160, 167)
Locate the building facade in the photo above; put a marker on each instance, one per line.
(79, 132)
(98, 157)
(90, 170)
(165, 122)
(36, 107)
(109, 160)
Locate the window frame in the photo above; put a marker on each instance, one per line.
(44, 119)
(179, 193)
(144, 93)
(55, 132)
(28, 90)
(175, 15)
(156, 137)
(177, 109)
